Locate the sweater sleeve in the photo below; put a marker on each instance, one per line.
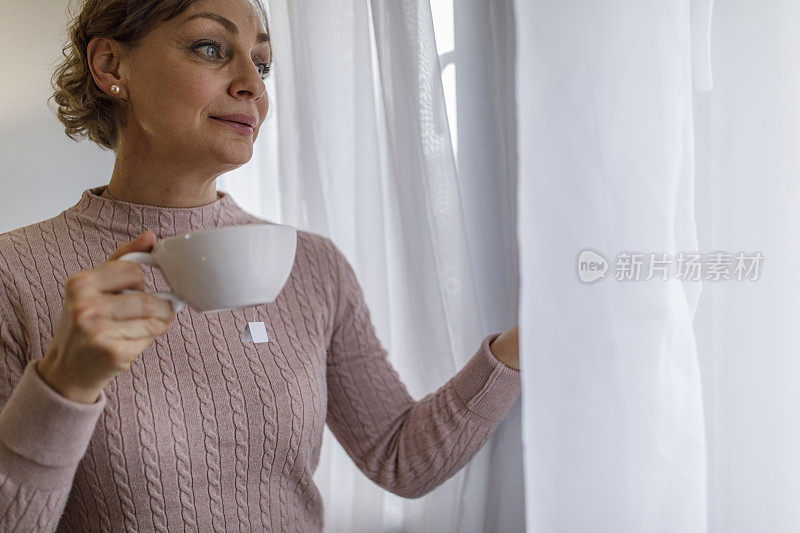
(407, 447)
(43, 437)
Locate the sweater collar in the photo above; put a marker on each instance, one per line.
(129, 219)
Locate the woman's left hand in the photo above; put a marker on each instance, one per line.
(506, 348)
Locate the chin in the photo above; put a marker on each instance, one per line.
(236, 155)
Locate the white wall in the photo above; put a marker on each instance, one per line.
(42, 171)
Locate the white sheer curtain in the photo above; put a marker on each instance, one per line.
(487, 178)
(613, 422)
(749, 164)
(359, 150)
(617, 154)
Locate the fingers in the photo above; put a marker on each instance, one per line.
(113, 275)
(133, 329)
(109, 277)
(133, 306)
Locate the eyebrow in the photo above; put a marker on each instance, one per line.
(229, 25)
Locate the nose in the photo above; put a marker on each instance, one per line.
(248, 83)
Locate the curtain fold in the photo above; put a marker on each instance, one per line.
(750, 131)
(613, 426)
(487, 179)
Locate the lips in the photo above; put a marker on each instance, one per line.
(239, 118)
(234, 121)
(244, 129)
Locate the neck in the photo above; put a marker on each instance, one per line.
(160, 179)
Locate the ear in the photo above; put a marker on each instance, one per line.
(103, 56)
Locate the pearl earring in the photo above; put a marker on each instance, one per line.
(115, 89)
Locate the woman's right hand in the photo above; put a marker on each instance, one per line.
(101, 331)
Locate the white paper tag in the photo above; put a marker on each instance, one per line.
(255, 332)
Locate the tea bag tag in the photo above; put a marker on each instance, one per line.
(255, 332)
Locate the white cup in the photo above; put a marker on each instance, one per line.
(223, 268)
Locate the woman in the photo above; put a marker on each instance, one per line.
(102, 428)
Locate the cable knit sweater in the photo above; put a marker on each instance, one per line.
(205, 432)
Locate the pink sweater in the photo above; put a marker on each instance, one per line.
(206, 432)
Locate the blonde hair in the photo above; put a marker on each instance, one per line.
(83, 108)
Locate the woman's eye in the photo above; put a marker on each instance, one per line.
(263, 69)
(215, 49)
(209, 46)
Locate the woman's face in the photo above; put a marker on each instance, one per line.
(207, 62)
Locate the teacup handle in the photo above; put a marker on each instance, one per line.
(145, 258)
